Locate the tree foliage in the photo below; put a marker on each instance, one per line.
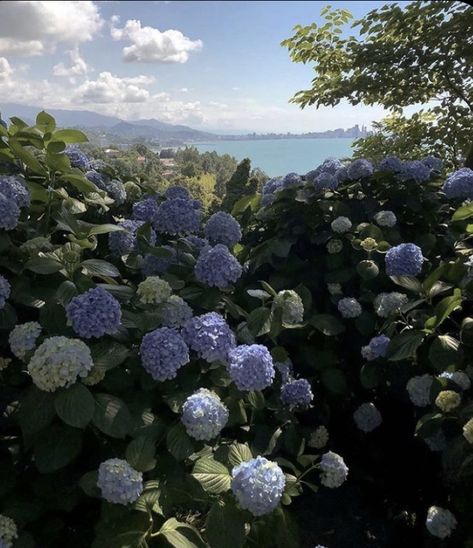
(240, 184)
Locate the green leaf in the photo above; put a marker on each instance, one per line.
(112, 416)
(258, 321)
(258, 294)
(212, 475)
(43, 265)
(45, 122)
(80, 182)
(370, 375)
(256, 399)
(334, 380)
(444, 352)
(88, 484)
(181, 535)
(178, 442)
(443, 309)
(225, 526)
(66, 291)
(98, 267)
(408, 282)
(327, 324)
(238, 453)
(56, 447)
(103, 229)
(140, 453)
(26, 156)
(75, 405)
(108, 354)
(405, 345)
(36, 411)
(69, 136)
(463, 213)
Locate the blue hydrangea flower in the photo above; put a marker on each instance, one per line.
(4, 291)
(116, 190)
(9, 213)
(404, 260)
(210, 336)
(217, 267)
(349, 307)
(270, 188)
(177, 216)
(360, 169)
(433, 163)
(330, 165)
(174, 192)
(334, 471)
(326, 180)
(414, 170)
(14, 188)
(124, 241)
(96, 178)
(57, 363)
(297, 393)
(386, 218)
(440, 522)
(163, 352)
(258, 485)
(376, 348)
(76, 157)
(94, 313)
(146, 210)
(459, 184)
(390, 163)
(96, 164)
(204, 415)
(367, 417)
(23, 337)
(291, 180)
(251, 367)
(153, 265)
(222, 228)
(341, 225)
(175, 312)
(119, 482)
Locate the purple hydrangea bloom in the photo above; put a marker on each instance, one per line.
(13, 188)
(414, 171)
(360, 169)
(459, 184)
(119, 482)
(94, 313)
(433, 163)
(210, 336)
(251, 367)
(177, 191)
(390, 163)
(146, 210)
(153, 265)
(222, 228)
(376, 348)
(125, 241)
(291, 180)
(163, 352)
(77, 157)
(4, 291)
(204, 415)
(175, 312)
(9, 213)
(217, 267)
(404, 260)
(297, 393)
(326, 180)
(330, 165)
(258, 485)
(270, 189)
(96, 178)
(116, 190)
(177, 216)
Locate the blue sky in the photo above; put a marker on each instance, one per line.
(211, 65)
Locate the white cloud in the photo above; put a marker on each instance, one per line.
(78, 66)
(184, 90)
(112, 89)
(150, 45)
(34, 27)
(5, 69)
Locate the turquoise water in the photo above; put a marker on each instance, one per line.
(281, 156)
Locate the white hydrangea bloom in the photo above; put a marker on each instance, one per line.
(154, 290)
(341, 225)
(385, 218)
(386, 304)
(440, 522)
(419, 389)
(468, 431)
(291, 305)
(8, 531)
(349, 307)
(319, 438)
(334, 470)
(447, 400)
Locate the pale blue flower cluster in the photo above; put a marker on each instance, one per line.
(9, 213)
(340, 225)
(414, 170)
(8, 531)
(96, 178)
(174, 192)
(175, 312)
(297, 393)
(210, 336)
(125, 241)
(459, 184)
(13, 196)
(270, 189)
(440, 522)
(386, 218)
(433, 163)
(330, 165)
(94, 313)
(334, 471)
(367, 417)
(4, 291)
(204, 415)
(76, 157)
(222, 228)
(291, 180)
(163, 352)
(146, 210)
(57, 363)
(22, 338)
(404, 260)
(251, 367)
(386, 304)
(376, 348)
(418, 388)
(217, 267)
(349, 307)
(153, 265)
(359, 169)
(116, 190)
(119, 482)
(258, 485)
(177, 216)
(326, 180)
(390, 163)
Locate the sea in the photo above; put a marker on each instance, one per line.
(280, 156)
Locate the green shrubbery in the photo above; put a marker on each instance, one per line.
(160, 391)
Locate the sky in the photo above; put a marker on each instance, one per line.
(211, 65)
